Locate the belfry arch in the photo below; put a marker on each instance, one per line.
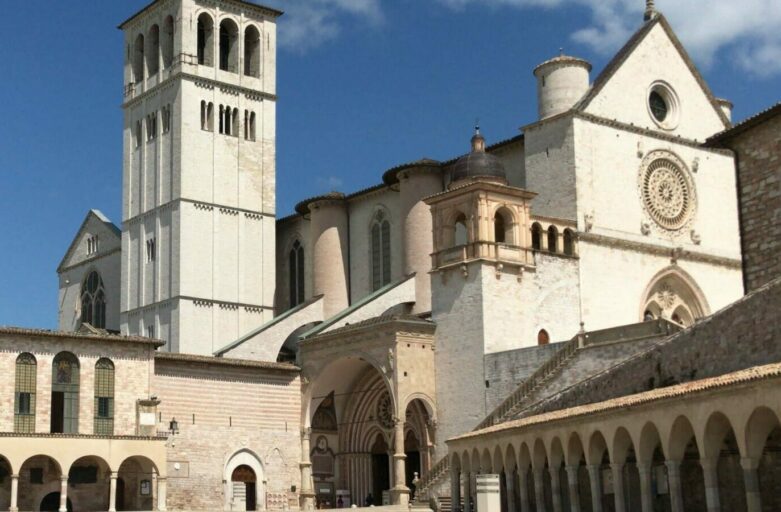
(673, 295)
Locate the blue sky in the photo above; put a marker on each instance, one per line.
(363, 85)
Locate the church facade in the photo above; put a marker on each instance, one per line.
(325, 358)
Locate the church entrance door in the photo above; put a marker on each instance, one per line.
(380, 469)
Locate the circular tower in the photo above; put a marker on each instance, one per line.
(561, 83)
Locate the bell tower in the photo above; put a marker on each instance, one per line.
(198, 228)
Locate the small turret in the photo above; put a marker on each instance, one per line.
(561, 83)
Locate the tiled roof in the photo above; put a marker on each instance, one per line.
(746, 124)
(224, 361)
(752, 374)
(92, 335)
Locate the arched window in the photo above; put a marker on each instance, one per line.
(65, 394)
(296, 270)
(542, 337)
(569, 242)
(167, 43)
(93, 301)
(24, 396)
(229, 35)
(205, 41)
(252, 51)
(498, 228)
(235, 119)
(381, 248)
(104, 397)
(503, 227)
(553, 235)
(674, 296)
(153, 50)
(536, 237)
(244, 486)
(138, 59)
(460, 236)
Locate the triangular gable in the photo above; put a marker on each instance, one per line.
(610, 91)
(94, 223)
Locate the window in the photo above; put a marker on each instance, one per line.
(553, 235)
(249, 125)
(92, 245)
(503, 227)
(150, 331)
(381, 258)
(252, 51)
(658, 106)
(536, 237)
(65, 394)
(104, 397)
(229, 58)
(235, 120)
(296, 272)
(138, 134)
(93, 301)
(460, 234)
(207, 117)
(542, 337)
(138, 59)
(24, 397)
(205, 41)
(663, 105)
(168, 42)
(569, 242)
(151, 127)
(151, 250)
(153, 50)
(229, 121)
(165, 115)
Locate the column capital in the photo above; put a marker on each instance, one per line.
(571, 471)
(64, 479)
(306, 433)
(709, 463)
(114, 475)
(749, 463)
(15, 476)
(617, 467)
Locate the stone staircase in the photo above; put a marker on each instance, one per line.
(543, 379)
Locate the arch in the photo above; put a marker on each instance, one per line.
(229, 42)
(93, 300)
(575, 451)
(41, 474)
(553, 239)
(510, 459)
(380, 237)
(504, 222)
(539, 454)
(205, 41)
(25, 393)
(138, 60)
(683, 449)
(536, 236)
(104, 397)
(296, 271)
(65, 394)
(426, 402)
(498, 460)
(167, 42)
(569, 242)
(252, 51)
(758, 427)
(717, 427)
(153, 50)
(681, 433)
(455, 461)
(597, 447)
(136, 473)
(648, 443)
(486, 464)
(673, 294)
(91, 475)
(243, 471)
(622, 445)
(460, 230)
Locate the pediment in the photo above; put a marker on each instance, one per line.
(95, 226)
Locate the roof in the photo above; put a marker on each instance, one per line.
(745, 125)
(620, 57)
(380, 320)
(564, 59)
(88, 335)
(225, 361)
(748, 375)
(102, 218)
(303, 206)
(268, 11)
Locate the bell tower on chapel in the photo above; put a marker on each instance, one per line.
(198, 198)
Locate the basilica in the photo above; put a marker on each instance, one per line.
(581, 316)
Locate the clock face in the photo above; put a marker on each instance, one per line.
(667, 190)
(385, 411)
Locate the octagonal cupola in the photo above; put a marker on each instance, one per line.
(478, 164)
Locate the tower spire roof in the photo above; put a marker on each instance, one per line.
(650, 10)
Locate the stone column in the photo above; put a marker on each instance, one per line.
(467, 492)
(751, 479)
(596, 487)
(14, 493)
(646, 498)
(539, 490)
(674, 482)
(710, 474)
(555, 488)
(307, 493)
(455, 489)
(488, 493)
(400, 492)
(618, 486)
(509, 481)
(63, 493)
(112, 493)
(162, 487)
(574, 488)
(523, 490)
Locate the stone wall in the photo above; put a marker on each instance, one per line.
(504, 371)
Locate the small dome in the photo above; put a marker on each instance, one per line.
(478, 163)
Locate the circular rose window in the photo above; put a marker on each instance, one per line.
(385, 411)
(667, 190)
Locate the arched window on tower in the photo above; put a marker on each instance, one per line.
(569, 242)
(252, 51)
(104, 397)
(542, 337)
(229, 35)
(138, 59)
(503, 227)
(93, 301)
(553, 236)
(167, 43)
(205, 40)
(536, 237)
(235, 120)
(24, 396)
(153, 50)
(296, 272)
(460, 235)
(381, 248)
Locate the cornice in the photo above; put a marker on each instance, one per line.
(201, 302)
(228, 210)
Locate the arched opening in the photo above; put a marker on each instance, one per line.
(136, 476)
(38, 477)
(153, 50)
(412, 462)
(5, 483)
(138, 59)
(167, 42)
(673, 296)
(229, 37)
(89, 481)
(417, 438)
(503, 227)
(51, 503)
(380, 470)
(460, 236)
(295, 260)
(244, 487)
(569, 242)
(542, 337)
(763, 444)
(536, 237)
(553, 239)
(25, 393)
(577, 461)
(93, 301)
(65, 394)
(104, 397)
(205, 40)
(252, 51)
(721, 447)
(380, 251)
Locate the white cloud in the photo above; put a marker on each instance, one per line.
(748, 31)
(309, 23)
(329, 183)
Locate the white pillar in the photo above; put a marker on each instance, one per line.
(400, 492)
(523, 490)
(509, 481)
(64, 493)
(14, 493)
(488, 493)
(539, 490)
(711, 476)
(555, 488)
(574, 488)
(674, 482)
(646, 498)
(112, 493)
(751, 480)
(618, 486)
(596, 488)
(162, 485)
(307, 494)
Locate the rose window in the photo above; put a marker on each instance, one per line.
(668, 194)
